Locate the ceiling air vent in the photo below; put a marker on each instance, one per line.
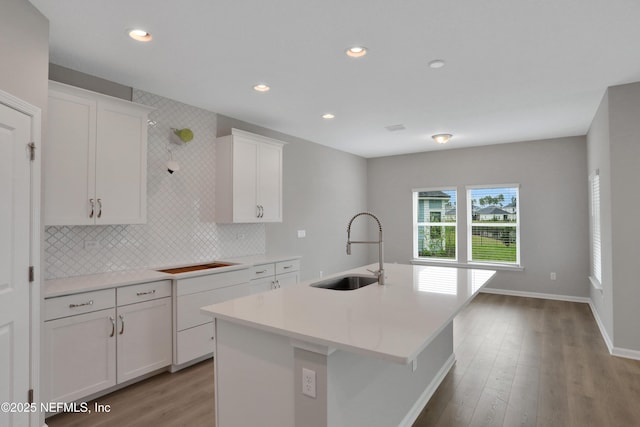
(395, 128)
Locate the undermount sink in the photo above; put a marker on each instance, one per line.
(345, 283)
(197, 267)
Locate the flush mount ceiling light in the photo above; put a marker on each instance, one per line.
(356, 51)
(442, 138)
(261, 87)
(328, 116)
(140, 35)
(436, 63)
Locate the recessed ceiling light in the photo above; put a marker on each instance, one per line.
(261, 87)
(442, 138)
(140, 35)
(328, 116)
(356, 51)
(436, 63)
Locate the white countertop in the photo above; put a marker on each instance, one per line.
(394, 322)
(92, 282)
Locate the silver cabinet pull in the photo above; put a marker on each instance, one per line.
(257, 211)
(90, 302)
(99, 208)
(277, 284)
(113, 326)
(261, 211)
(273, 284)
(93, 206)
(261, 272)
(286, 267)
(122, 321)
(151, 292)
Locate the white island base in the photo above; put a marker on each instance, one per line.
(377, 354)
(259, 382)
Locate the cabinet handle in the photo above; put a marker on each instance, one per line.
(93, 206)
(257, 211)
(273, 284)
(121, 320)
(261, 211)
(113, 326)
(99, 208)
(261, 272)
(286, 267)
(277, 284)
(151, 292)
(90, 302)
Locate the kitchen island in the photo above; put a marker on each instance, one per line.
(312, 357)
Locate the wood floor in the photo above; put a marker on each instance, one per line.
(520, 362)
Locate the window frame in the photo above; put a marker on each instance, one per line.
(470, 225)
(415, 194)
(595, 228)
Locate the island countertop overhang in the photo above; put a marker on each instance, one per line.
(394, 322)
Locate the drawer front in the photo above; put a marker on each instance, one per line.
(188, 309)
(287, 266)
(262, 271)
(86, 302)
(192, 285)
(193, 343)
(143, 292)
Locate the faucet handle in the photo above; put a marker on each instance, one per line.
(376, 272)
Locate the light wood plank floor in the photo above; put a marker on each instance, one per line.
(520, 362)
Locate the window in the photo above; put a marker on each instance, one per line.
(493, 224)
(434, 219)
(596, 250)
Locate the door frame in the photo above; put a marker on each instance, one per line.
(36, 419)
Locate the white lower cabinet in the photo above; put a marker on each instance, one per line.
(274, 275)
(80, 355)
(194, 334)
(90, 352)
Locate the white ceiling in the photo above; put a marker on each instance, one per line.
(515, 69)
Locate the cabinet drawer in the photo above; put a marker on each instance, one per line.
(261, 271)
(188, 310)
(210, 281)
(85, 302)
(287, 266)
(194, 342)
(143, 292)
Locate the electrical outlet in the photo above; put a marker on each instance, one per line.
(553, 276)
(309, 382)
(240, 236)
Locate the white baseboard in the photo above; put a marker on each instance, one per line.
(603, 331)
(417, 407)
(556, 297)
(626, 353)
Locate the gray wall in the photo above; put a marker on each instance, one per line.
(323, 189)
(24, 49)
(624, 134)
(553, 201)
(598, 147)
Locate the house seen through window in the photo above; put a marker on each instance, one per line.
(493, 224)
(435, 218)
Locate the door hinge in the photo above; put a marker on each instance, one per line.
(32, 151)
(31, 273)
(30, 396)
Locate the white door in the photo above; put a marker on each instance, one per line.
(15, 135)
(270, 182)
(245, 161)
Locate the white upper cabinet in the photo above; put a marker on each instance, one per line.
(248, 178)
(95, 159)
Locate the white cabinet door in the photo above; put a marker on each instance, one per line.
(95, 160)
(69, 159)
(261, 285)
(269, 195)
(245, 178)
(248, 178)
(80, 356)
(288, 279)
(144, 338)
(121, 164)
